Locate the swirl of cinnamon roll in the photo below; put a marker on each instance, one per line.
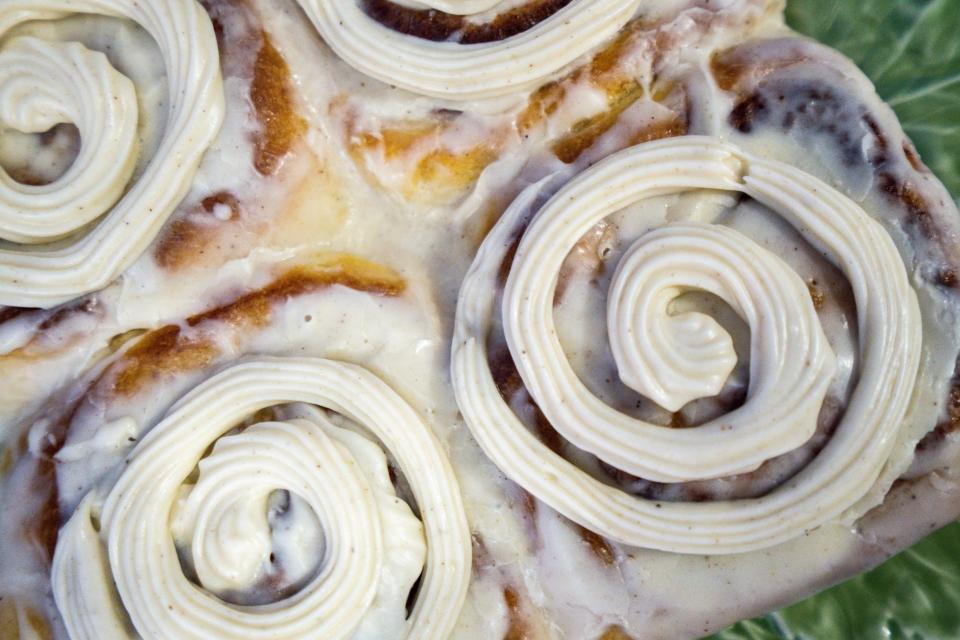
(442, 67)
(347, 547)
(79, 232)
(675, 358)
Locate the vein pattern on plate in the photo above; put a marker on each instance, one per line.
(79, 232)
(374, 548)
(454, 71)
(673, 359)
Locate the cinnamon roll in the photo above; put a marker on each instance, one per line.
(370, 551)
(78, 232)
(675, 357)
(304, 496)
(457, 319)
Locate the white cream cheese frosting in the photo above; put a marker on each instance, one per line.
(522, 546)
(373, 546)
(790, 368)
(45, 84)
(125, 217)
(454, 71)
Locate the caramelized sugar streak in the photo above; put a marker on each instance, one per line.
(442, 175)
(280, 129)
(519, 627)
(280, 124)
(188, 237)
(438, 173)
(169, 350)
(35, 625)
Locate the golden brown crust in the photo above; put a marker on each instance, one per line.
(185, 239)
(733, 67)
(181, 243)
(162, 352)
(45, 525)
(193, 237)
(817, 295)
(524, 620)
(518, 629)
(587, 131)
(170, 350)
(436, 173)
(611, 71)
(18, 621)
(280, 124)
(598, 545)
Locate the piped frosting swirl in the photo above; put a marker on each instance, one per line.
(476, 71)
(78, 233)
(373, 547)
(675, 358)
(45, 84)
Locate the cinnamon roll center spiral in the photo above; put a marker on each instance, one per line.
(354, 575)
(674, 358)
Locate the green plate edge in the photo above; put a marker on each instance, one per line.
(911, 51)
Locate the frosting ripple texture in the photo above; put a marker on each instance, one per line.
(675, 358)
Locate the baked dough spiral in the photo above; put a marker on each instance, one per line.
(673, 359)
(454, 71)
(79, 232)
(373, 546)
